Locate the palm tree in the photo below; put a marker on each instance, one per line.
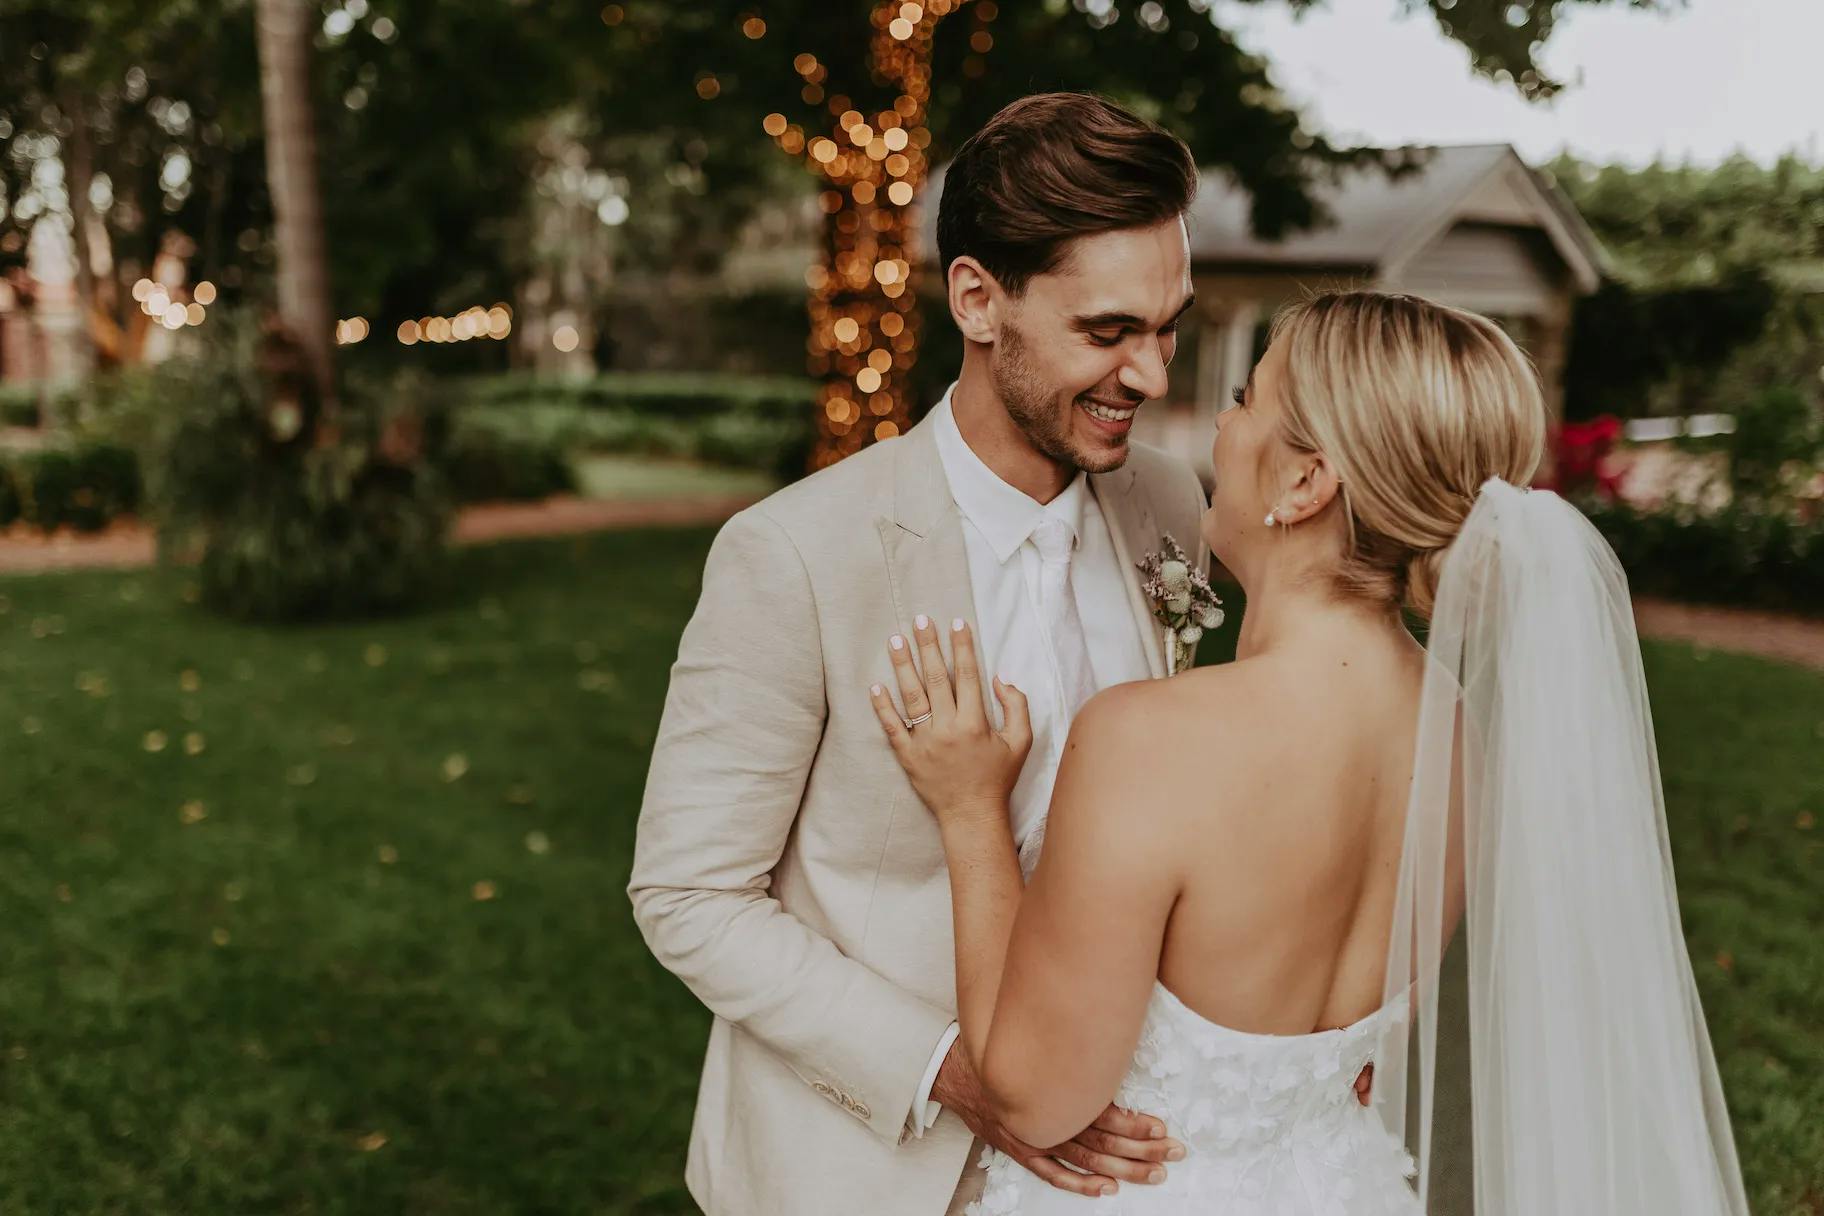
(284, 35)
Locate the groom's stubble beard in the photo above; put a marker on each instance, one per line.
(1033, 404)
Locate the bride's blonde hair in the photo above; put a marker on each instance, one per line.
(1415, 405)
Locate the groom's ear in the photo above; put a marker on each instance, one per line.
(975, 300)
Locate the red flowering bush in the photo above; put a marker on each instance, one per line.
(1580, 458)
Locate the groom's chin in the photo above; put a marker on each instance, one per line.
(1104, 457)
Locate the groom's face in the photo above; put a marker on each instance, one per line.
(1086, 346)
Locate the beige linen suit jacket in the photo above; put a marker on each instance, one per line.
(786, 871)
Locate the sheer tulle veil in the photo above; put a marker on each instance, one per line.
(1536, 906)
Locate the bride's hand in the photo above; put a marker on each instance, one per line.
(960, 765)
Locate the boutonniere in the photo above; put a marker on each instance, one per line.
(1182, 601)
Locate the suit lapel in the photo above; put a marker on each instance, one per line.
(1134, 529)
(927, 565)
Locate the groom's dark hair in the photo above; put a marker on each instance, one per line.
(1050, 168)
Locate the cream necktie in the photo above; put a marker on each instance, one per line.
(1058, 605)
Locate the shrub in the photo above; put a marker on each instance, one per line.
(484, 465)
(746, 423)
(1776, 431)
(1738, 555)
(1580, 457)
(662, 394)
(296, 514)
(781, 446)
(82, 485)
(19, 404)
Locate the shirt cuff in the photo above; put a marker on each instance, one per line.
(924, 1110)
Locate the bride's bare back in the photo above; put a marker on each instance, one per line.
(1285, 791)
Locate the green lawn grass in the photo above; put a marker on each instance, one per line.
(296, 1002)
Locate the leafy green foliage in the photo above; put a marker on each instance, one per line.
(486, 465)
(430, 113)
(1667, 225)
(1742, 554)
(751, 422)
(295, 515)
(81, 485)
(1715, 299)
(19, 405)
(671, 394)
(1778, 436)
(1626, 341)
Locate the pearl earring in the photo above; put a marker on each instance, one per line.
(1270, 519)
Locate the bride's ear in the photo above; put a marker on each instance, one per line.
(975, 300)
(1316, 486)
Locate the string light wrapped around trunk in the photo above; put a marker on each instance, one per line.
(865, 322)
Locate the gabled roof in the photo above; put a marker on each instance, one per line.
(1380, 221)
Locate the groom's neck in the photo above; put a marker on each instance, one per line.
(998, 441)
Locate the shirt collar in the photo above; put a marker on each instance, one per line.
(1004, 515)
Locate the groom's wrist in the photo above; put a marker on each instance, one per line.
(926, 1106)
(956, 1088)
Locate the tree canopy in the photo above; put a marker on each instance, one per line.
(432, 114)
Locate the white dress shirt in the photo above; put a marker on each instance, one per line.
(1010, 632)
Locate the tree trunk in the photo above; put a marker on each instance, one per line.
(284, 34)
(863, 306)
(81, 166)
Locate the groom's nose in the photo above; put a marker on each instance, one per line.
(1144, 371)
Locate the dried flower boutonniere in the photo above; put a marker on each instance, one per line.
(1182, 601)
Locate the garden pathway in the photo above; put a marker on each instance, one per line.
(1771, 635)
(128, 545)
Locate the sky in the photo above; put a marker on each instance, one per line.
(1718, 77)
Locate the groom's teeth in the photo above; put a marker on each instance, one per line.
(1108, 415)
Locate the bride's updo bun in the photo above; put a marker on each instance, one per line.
(1415, 405)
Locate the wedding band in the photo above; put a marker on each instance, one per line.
(918, 721)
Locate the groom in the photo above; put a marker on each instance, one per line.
(785, 869)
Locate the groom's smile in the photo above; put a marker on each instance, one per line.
(1113, 419)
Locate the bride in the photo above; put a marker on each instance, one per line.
(1251, 873)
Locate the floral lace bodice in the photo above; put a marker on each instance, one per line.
(1270, 1124)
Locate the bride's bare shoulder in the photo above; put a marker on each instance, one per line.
(1149, 753)
(1223, 712)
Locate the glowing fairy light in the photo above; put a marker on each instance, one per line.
(864, 316)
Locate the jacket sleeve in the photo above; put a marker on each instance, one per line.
(742, 722)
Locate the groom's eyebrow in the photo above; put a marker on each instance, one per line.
(1109, 320)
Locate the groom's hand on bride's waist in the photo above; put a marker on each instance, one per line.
(1118, 1147)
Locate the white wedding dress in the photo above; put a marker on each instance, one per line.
(1270, 1123)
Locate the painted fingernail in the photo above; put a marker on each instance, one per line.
(1155, 1177)
(875, 689)
(922, 621)
(956, 626)
(1175, 1153)
(1108, 1188)
(1157, 1132)
(898, 643)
